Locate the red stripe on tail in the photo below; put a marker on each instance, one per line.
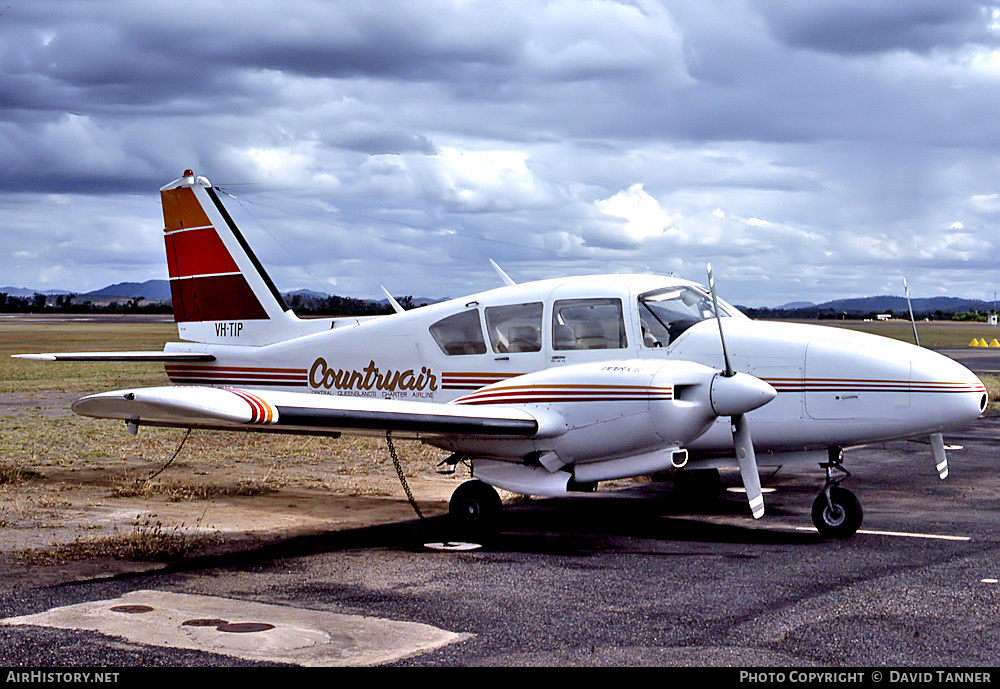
(215, 298)
(197, 252)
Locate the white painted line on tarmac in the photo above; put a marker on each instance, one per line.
(758, 525)
(900, 534)
(245, 629)
(453, 545)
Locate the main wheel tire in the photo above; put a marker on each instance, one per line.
(475, 506)
(845, 518)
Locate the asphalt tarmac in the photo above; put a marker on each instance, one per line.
(635, 578)
(978, 359)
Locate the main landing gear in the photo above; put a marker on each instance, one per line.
(836, 512)
(475, 507)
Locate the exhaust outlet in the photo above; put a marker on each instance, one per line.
(679, 459)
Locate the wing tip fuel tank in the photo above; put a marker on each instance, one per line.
(177, 405)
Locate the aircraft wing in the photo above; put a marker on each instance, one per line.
(235, 409)
(118, 356)
(607, 421)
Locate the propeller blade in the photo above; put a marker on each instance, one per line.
(715, 304)
(747, 460)
(940, 457)
(740, 393)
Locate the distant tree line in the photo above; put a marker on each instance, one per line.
(70, 303)
(302, 304)
(816, 313)
(334, 305)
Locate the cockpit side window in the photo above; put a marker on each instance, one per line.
(459, 334)
(515, 328)
(666, 313)
(588, 324)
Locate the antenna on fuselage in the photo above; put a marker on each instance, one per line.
(392, 302)
(503, 276)
(906, 289)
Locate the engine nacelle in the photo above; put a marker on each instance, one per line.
(599, 421)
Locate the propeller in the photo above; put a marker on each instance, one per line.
(734, 394)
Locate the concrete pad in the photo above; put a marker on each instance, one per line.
(245, 629)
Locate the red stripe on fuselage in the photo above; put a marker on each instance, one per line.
(518, 394)
(800, 385)
(236, 375)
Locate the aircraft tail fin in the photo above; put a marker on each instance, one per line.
(220, 291)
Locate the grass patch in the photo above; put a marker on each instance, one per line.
(174, 491)
(30, 336)
(14, 473)
(148, 541)
(933, 334)
(992, 384)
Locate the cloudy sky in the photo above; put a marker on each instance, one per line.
(808, 150)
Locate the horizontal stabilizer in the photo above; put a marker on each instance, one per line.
(117, 356)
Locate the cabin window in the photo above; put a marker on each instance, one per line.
(515, 328)
(588, 324)
(666, 313)
(460, 334)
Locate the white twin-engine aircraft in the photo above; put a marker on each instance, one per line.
(543, 388)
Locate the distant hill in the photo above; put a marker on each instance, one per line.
(154, 291)
(151, 290)
(305, 294)
(864, 306)
(885, 304)
(25, 292)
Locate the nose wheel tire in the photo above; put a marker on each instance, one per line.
(475, 505)
(839, 517)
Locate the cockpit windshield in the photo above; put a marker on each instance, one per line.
(666, 313)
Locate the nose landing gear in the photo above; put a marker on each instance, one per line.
(836, 512)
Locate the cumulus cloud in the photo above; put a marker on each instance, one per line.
(798, 147)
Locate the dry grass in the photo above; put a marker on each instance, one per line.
(14, 473)
(26, 336)
(933, 334)
(992, 384)
(147, 541)
(51, 459)
(128, 486)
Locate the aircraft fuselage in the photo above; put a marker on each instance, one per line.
(835, 387)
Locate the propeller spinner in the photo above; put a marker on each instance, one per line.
(734, 394)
